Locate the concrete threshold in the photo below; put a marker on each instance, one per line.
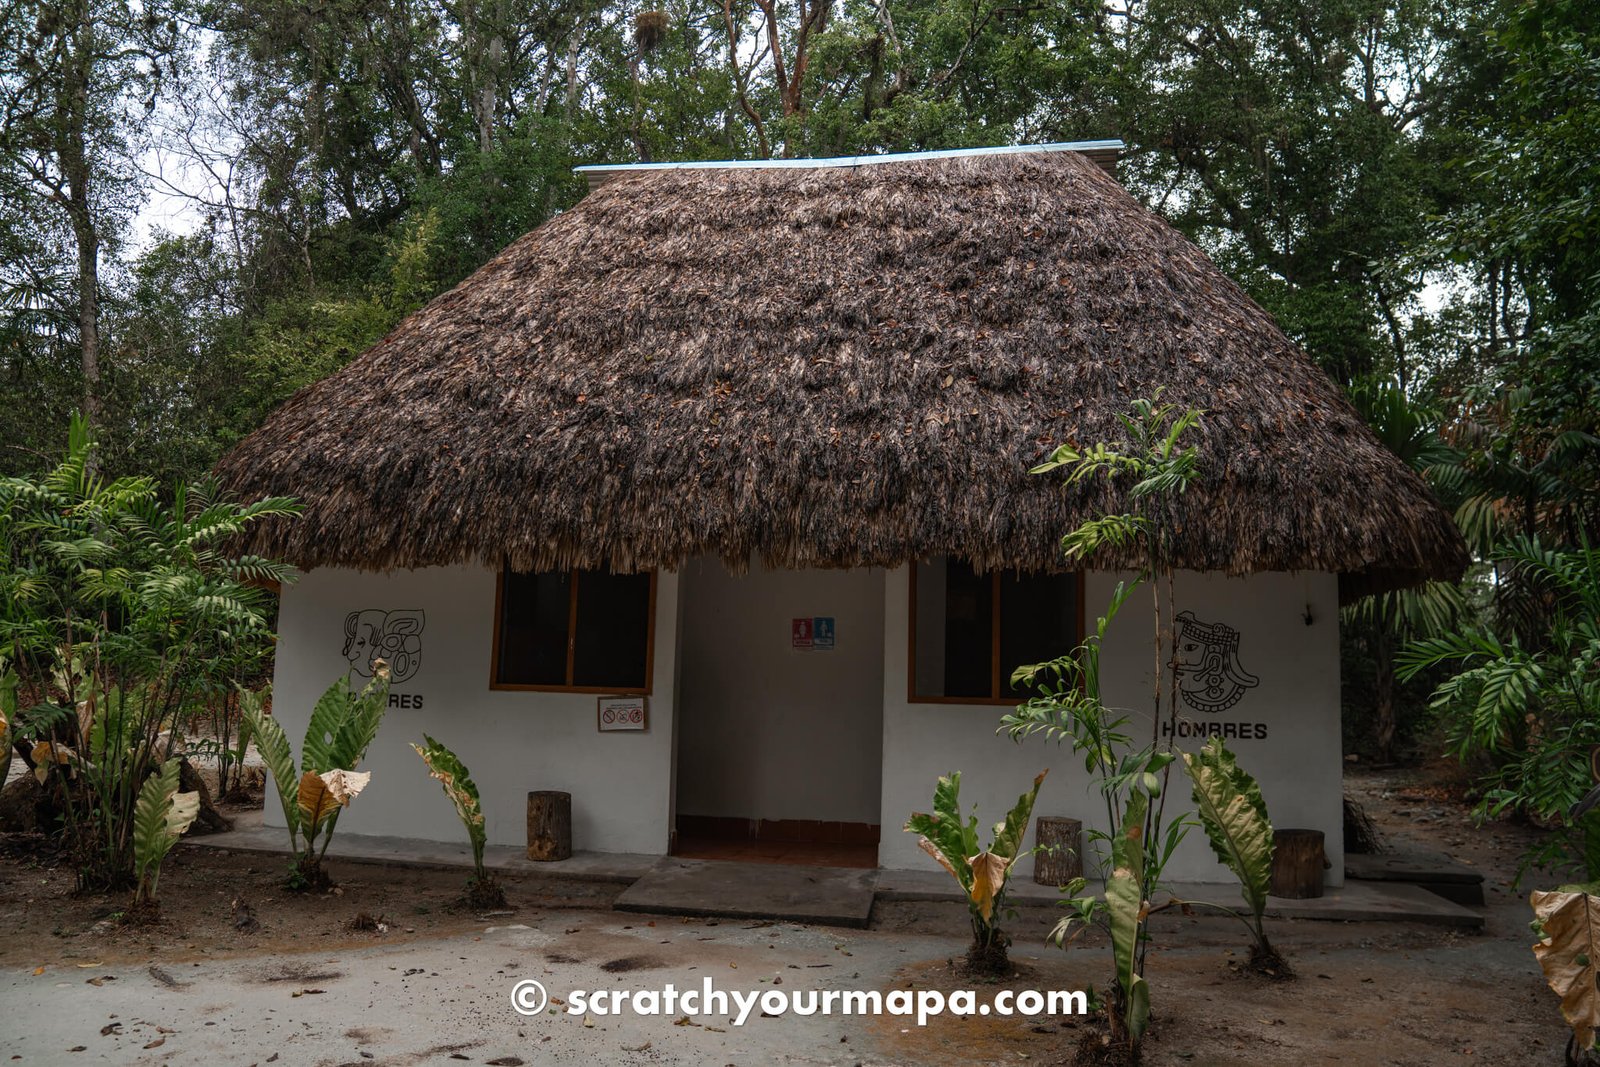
(829, 896)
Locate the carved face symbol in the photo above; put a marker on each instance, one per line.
(1206, 661)
(1190, 653)
(394, 636)
(363, 637)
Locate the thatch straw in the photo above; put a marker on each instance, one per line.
(836, 367)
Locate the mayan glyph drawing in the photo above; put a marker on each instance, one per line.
(1210, 678)
(392, 636)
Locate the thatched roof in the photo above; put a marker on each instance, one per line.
(830, 366)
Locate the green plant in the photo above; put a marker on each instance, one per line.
(1532, 709)
(160, 817)
(343, 723)
(119, 613)
(982, 872)
(1068, 704)
(483, 891)
(1234, 816)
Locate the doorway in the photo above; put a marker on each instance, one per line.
(780, 715)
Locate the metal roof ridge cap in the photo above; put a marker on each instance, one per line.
(1110, 144)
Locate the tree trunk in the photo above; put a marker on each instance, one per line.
(549, 825)
(73, 155)
(1061, 840)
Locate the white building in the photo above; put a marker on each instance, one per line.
(738, 454)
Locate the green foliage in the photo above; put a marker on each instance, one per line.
(273, 745)
(1229, 804)
(982, 873)
(121, 616)
(1532, 709)
(160, 817)
(344, 721)
(1127, 907)
(1529, 226)
(1068, 705)
(452, 776)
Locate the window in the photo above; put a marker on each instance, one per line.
(969, 631)
(588, 631)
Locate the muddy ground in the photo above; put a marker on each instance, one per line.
(241, 971)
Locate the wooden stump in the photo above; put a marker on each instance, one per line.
(1298, 861)
(549, 825)
(1062, 857)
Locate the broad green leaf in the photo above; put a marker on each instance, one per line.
(1228, 801)
(944, 832)
(317, 749)
(451, 773)
(1009, 835)
(273, 745)
(160, 816)
(361, 721)
(1125, 906)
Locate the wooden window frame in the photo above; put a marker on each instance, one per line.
(572, 645)
(995, 681)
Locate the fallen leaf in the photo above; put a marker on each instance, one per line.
(157, 1043)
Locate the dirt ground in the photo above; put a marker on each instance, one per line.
(241, 971)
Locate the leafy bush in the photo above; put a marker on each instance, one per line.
(120, 614)
(1068, 706)
(1531, 707)
(983, 873)
(343, 723)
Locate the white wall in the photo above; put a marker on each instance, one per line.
(767, 731)
(1299, 764)
(622, 783)
(512, 742)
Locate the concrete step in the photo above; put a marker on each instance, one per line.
(831, 896)
(1433, 871)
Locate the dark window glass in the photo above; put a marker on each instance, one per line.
(613, 636)
(1038, 622)
(585, 629)
(534, 612)
(964, 648)
(968, 631)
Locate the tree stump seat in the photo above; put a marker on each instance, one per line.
(549, 825)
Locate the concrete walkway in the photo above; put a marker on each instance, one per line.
(250, 835)
(826, 895)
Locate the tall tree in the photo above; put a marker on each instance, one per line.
(1293, 139)
(79, 74)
